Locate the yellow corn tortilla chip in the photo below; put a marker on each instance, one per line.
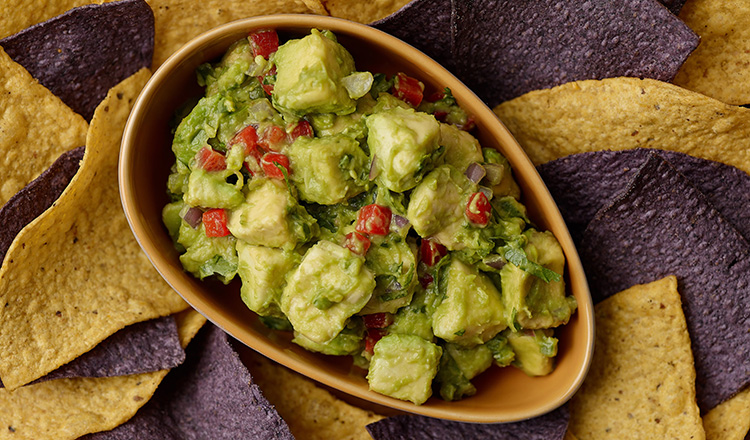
(69, 408)
(20, 14)
(178, 21)
(642, 378)
(624, 113)
(363, 11)
(730, 420)
(312, 413)
(720, 66)
(35, 128)
(76, 274)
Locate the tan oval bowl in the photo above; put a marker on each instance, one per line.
(504, 394)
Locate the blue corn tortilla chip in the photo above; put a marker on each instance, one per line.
(506, 48)
(84, 52)
(674, 6)
(36, 197)
(210, 396)
(582, 184)
(143, 347)
(550, 426)
(662, 225)
(426, 25)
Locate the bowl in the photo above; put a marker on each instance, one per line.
(504, 394)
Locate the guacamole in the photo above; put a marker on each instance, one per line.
(363, 217)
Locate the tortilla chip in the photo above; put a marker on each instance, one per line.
(33, 199)
(20, 14)
(730, 420)
(641, 378)
(505, 50)
(626, 113)
(143, 347)
(76, 274)
(550, 426)
(311, 412)
(584, 183)
(179, 21)
(73, 54)
(720, 66)
(662, 225)
(69, 408)
(210, 396)
(366, 11)
(426, 25)
(32, 119)
(674, 6)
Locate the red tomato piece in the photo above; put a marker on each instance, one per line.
(272, 138)
(436, 96)
(215, 221)
(374, 220)
(357, 243)
(211, 160)
(248, 136)
(408, 89)
(431, 251)
(269, 161)
(372, 337)
(268, 88)
(264, 42)
(302, 128)
(478, 210)
(378, 320)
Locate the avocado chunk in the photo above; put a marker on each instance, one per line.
(309, 76)
(499, 175)
(348, 342)
(416, 317)
(501, 350)
(461, 148)
(529, 301)
(458, 366)
(403, 367)
(210, 189)
(206, 256)
(259, 269)
(472, 311)
(352, 125)
(404, 145)
(535, 351)
(270, 216)
(394, 263)
(328, 170)
(329, 286)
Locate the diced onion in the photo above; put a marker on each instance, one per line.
(475, 172)
(399, 222)
(494, 173)
(373, 168)
(487, 192)
(193, 217)
(495, 261)
(395, 286)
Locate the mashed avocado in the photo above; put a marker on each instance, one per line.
(365, 225)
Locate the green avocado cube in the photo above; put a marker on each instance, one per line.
(348, 342)
(328, 170)
(259, 268)
(206, 256)
(535, 351)
(210, 189)
(472, 311)
(403, 366)
(329, 286)
(461, 148)
(529, 301)
(404, 145)
(309, 76)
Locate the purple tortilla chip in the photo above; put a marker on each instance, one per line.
(662, 225)
(36, 197)
(674, 6)
(143, 347)
(584, 183)
(84, 52)
(506, 48)
(550, 426)
(210, 396)
(426, 25)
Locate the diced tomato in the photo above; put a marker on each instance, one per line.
(215, 221)
(426, 280)
(268, 88)
(440, 116)
(264, 42)
(378, 320)
(372, 337)
(431, 251)
(269, 163)
(374, 220)
(249, 138)
(436, 96)
(211, 160)
(408, 89)
(302, 128)
(469, 124)
(478, 210)
(357, 243)
(272, 138)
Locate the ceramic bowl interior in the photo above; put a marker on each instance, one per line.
(504, 394)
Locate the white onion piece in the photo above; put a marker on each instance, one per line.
(494, 261)
(193, 217)
(494, 173)
(486, 191)
(475, 172)
(373, 169)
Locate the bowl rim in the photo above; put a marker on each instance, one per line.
(371, 36)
